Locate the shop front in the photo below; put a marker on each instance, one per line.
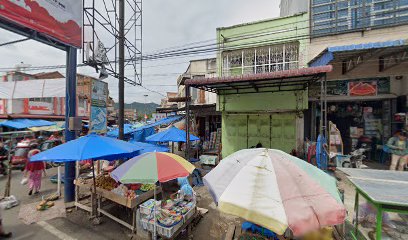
(365, 90)
(262, 109)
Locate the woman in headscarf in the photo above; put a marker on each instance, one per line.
(186, 191)
(34, 171)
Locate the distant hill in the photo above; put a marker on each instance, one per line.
(140, 107)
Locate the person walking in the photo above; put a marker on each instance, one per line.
(399, 150)
(34, 170)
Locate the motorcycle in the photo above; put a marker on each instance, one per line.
(355, 159)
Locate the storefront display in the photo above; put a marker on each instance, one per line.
(358, 119)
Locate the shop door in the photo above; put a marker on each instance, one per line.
(234, 136)
(283, 131)
(259, 130)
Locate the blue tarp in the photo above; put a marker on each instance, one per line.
(172, 134)
(328, 54)
(115, 132)
(128, 129)
(147, 147)
(141, 135)
(89, 147)
(25, 123)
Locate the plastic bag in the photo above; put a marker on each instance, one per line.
(24, 181)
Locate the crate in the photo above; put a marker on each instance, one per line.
(189, 214)
(170, 231)
(146, 225)
(144, 207)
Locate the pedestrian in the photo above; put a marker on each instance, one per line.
(399, 150)
(34, 170)
(3, 234)
(186, 192)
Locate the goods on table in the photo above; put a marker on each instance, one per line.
(105, 182)
(147, 187)
(170, 215)
(123, 191)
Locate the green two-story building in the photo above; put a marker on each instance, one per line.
(262, 84)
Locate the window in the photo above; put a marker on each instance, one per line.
(261, 59)
(334, 16)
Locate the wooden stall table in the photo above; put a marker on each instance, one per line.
(115, 198)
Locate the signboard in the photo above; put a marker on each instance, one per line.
(59, 19)
(362, 88)
(357, 87)
(35, 107)
(98, 119)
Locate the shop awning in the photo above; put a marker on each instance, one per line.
(25, 123)
(358, 53)
(288, 80)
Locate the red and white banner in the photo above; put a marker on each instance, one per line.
(59, 19)
(40, 108)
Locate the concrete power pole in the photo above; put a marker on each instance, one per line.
(121, 68)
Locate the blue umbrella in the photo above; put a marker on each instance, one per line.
(127, 129)
(172, 134)
(147, 147)
(90, 147)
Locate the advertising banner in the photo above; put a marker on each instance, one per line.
(59, 19)
(98, 121)
(362, 88)
(41, 108)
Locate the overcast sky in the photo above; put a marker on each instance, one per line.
(165, 24)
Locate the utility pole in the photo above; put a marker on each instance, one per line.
(145, 106)
(121, 68)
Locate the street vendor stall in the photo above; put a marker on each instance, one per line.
(386, 190)
(165, 218)
(108, 190)
(94, 147)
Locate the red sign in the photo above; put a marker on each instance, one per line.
(363, 88)
(59, 19)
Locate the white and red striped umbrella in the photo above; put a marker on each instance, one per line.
(276, 190)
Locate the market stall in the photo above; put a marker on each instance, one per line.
(107, 190)
(163, 218)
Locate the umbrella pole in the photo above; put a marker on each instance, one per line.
(172, 147)
(154, 213)
(94, 189)
(59, 181)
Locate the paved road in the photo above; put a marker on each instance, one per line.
(75, 226)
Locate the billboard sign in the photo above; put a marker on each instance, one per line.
(59, 19)
(98, 121)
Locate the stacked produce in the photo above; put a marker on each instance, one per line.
(147, 187)
(105, 182)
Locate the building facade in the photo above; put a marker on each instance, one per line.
(255, 108)
(365, 42)
(18, 106)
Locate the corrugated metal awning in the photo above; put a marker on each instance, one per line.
(288, 80)
(330, 53)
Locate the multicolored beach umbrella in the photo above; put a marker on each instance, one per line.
(276, 190)
(151, 167)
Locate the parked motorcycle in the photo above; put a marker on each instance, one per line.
(355, 159)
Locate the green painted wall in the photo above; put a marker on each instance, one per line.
(269, 118)
(269, 102)
(276, 130)
(267, 32)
